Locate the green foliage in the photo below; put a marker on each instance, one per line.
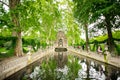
(82, 10)
(4, 18)
(7, 45)
(34, 43)
(34, 17)
(49, 68)
(92, 47)
(6, 53)
(41, 19)
(43, 44)
(106, 13)
(2, 49)
(25, 49)
(7, 42)
(117, 49)
(102, 40)
(116, 35)
(74, 66)
(43, 16)
(99, 39)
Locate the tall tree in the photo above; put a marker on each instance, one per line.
(95, 9)
(81, 10)
(34, 16)
(110, 10)
(13, 4)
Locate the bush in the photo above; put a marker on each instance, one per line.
(117, 49)
(7, 53)
(25, 49)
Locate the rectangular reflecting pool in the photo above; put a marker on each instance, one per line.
(67, 66)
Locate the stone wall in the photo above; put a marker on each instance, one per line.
(12, 65)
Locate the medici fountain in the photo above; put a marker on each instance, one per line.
(65, 65)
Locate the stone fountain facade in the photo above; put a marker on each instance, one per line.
(61, 40)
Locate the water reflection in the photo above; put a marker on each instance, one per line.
(94, 71)
(61, 58)
(89, 70)
(70, 68)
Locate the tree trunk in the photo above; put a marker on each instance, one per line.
(88, 65)
(16, 29)
(86, 35)
(111, 45)
(12, 5)
(18, 47)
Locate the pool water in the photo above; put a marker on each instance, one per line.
(62, 66)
